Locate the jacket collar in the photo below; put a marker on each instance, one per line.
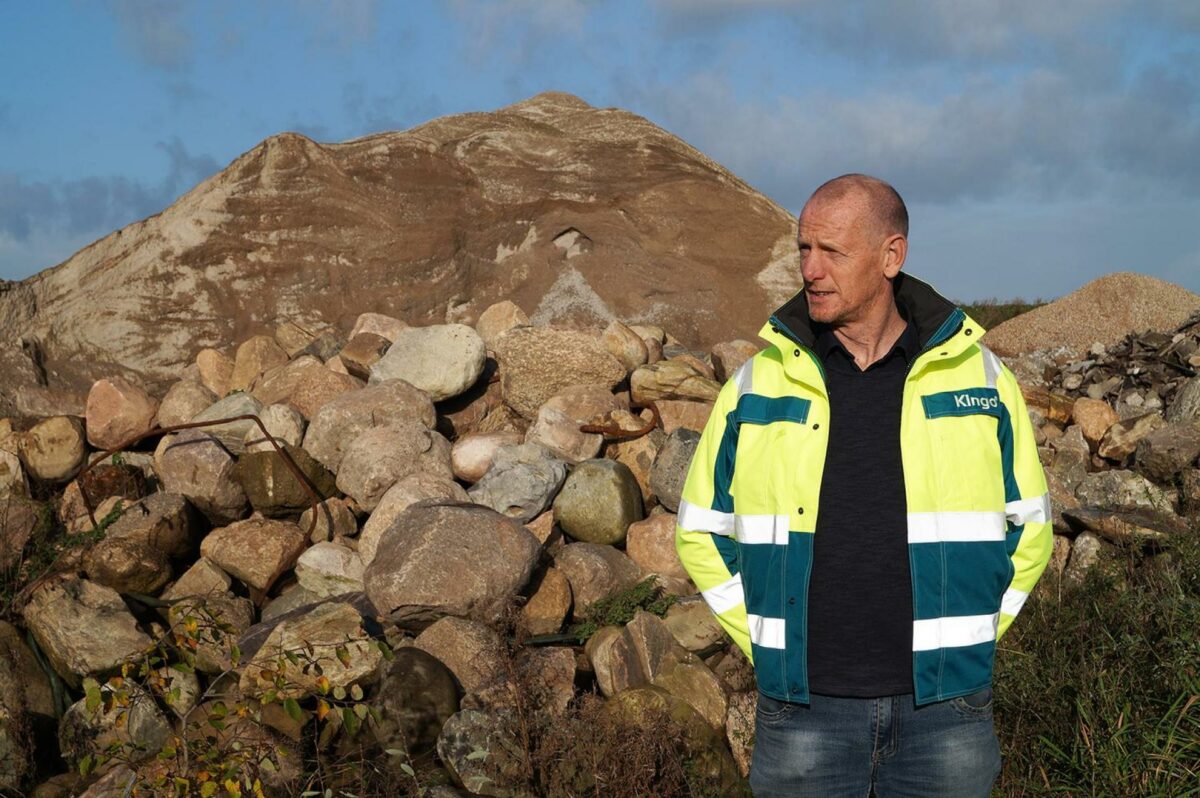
(937, 320)
(917, 302)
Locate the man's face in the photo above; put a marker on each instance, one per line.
(842, 259)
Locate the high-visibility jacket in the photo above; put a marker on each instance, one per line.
(978, 512)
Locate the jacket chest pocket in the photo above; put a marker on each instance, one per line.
(768, 451)
(967, 432)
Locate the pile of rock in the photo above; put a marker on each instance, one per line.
(454, 484)
(1119, 434)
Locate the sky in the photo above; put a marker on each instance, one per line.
(1038, 144)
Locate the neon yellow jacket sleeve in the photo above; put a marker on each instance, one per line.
(1029, 516)
(704, 534)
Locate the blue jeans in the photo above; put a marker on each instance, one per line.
(838, 747)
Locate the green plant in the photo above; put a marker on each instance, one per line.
(619, 608)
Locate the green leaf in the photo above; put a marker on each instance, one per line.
(292, 707)
(92, 692)
(235, 654)
(208, 789)
(339, 692)
(350, 721)
(85, 765)
(183, 667)
(407, 768)
(356, 692)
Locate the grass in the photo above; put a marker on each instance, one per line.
(1098, 687)
(990, 312)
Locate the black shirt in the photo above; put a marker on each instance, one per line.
(860, 596)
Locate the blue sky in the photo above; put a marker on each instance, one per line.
(1039, 145)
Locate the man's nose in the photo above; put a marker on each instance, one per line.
(812, 267)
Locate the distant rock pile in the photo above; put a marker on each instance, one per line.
(457, 484)
(1103, 311)
(1119, 434)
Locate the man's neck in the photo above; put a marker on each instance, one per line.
(871, 338)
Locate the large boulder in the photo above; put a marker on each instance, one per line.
(257, 551)
(381, 456)
(449, 559)
(84, 628)
(197, 466)
(53, 449)
(671, 467)
(328, 569)
(538, 362)
(421, 486)
(598, 502)
(558, 421)
(522, 481)
(118, 411)
(342, 419)
(651, 544)
(444, 360)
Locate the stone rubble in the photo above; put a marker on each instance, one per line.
(460, 500)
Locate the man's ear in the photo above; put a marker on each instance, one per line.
(895, 250)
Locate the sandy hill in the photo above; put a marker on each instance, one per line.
(1104, 310)
(579, 214)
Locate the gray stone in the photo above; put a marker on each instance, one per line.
(380, 457)
(471, 455)
(327, 627)
(165, 521)
(335, 519)
(20, 519)
(232, 434)
(1119, 488)
(127, 565)
(671, 467)
(214, 647)
(1186, 404)
(598, 502)
(416, 697)
(182, 402)
(1168, 450)
(521, 483)
(327, 569)
(449, 559)
(481, 751)
(444, 360)
(739, 728)
(53, 449)
(1086, 551)
(284, 423)
(204, 578)
(197, 466)
(342, 419)
(141, 730)
(672, 379)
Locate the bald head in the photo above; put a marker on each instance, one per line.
(877, 199)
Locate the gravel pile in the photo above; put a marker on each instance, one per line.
(1105, 311)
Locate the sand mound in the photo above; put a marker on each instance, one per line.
(1105, 310)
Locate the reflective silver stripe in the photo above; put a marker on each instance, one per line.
(1013, 601)
(954, 631)
(1024, 511)
(695, 518)
(760, 529)
(969, 527)
(744, 377)
(991, 366)
(725, 596)
(766, 632)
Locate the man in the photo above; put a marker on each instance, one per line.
(865, 514)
